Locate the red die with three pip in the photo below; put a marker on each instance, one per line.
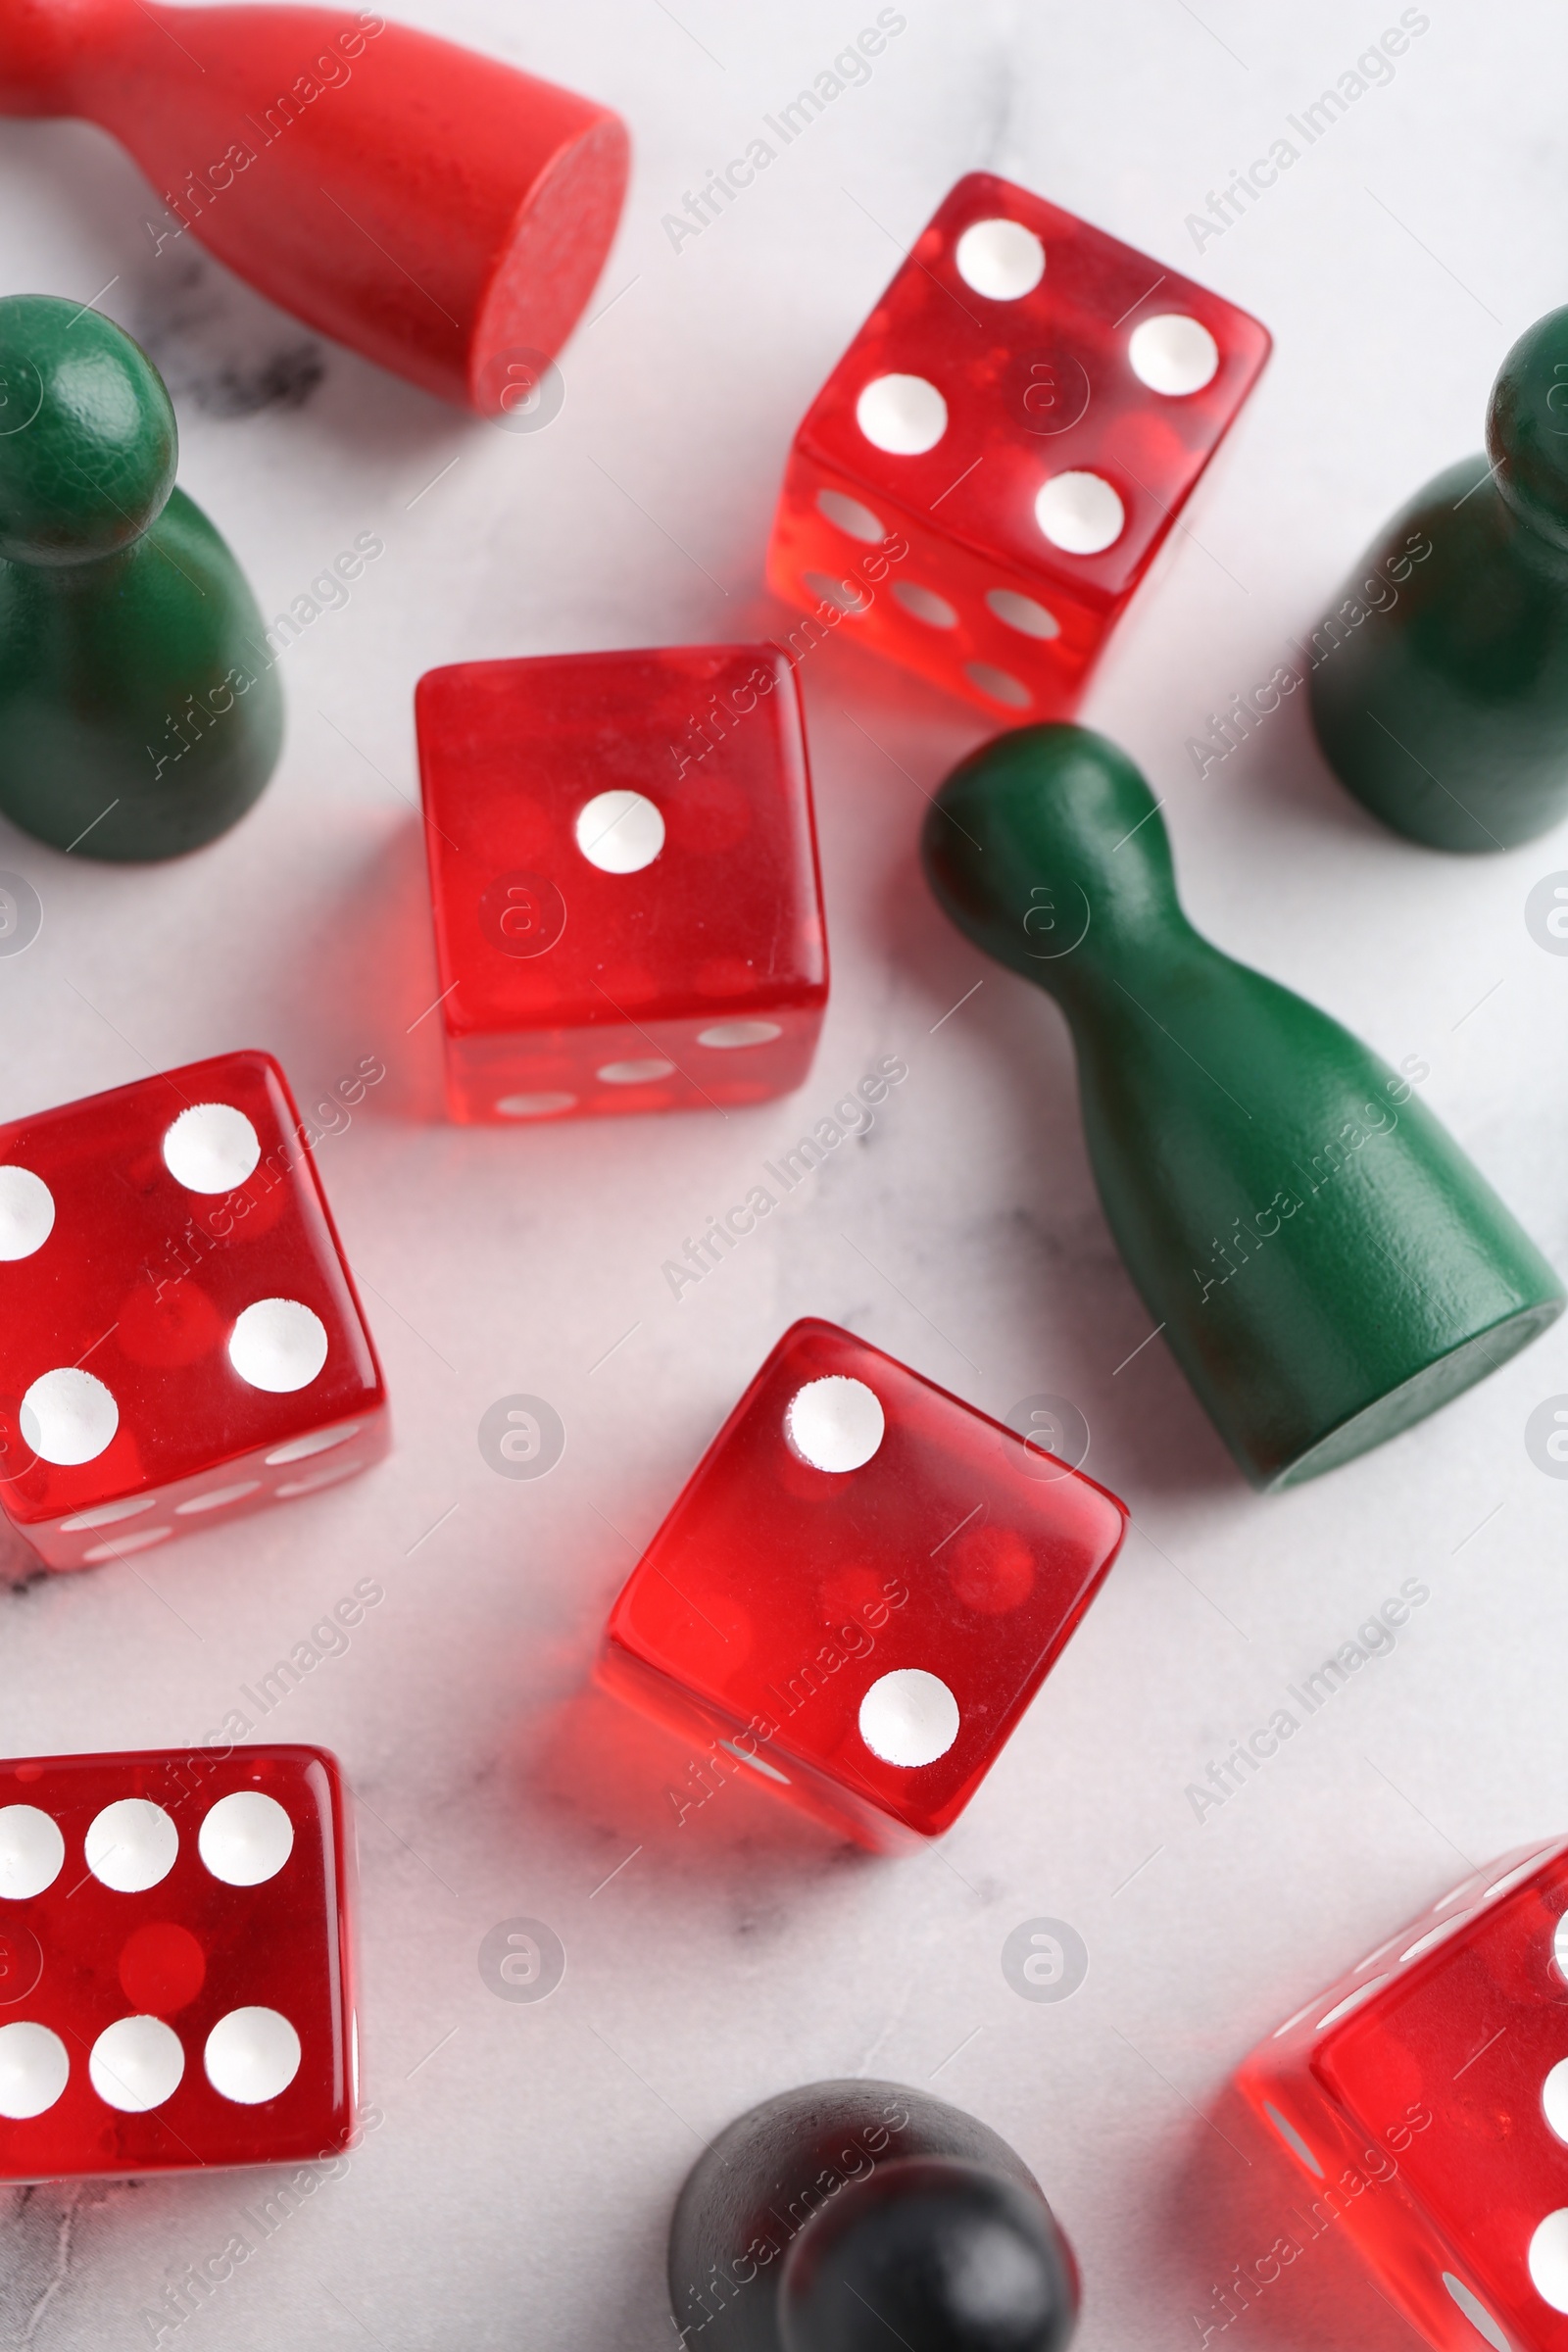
(1424, 2098)
(1029, 407)
(860, 1589)
(179, 1335)
(174, 1971)
(628, 914)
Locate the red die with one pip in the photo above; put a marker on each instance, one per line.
(628, 914)
(860, 1589)
(174, 1971)
(180, 1336)
(1028, 408)
(1424, 2099)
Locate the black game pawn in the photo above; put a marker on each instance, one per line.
(847, 2217)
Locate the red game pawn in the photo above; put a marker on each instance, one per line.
(859, 1592)
(1020, 422)
(179, 1335)
(440, 212)
(628, 912)
(1424, 2099)
(175, 1987)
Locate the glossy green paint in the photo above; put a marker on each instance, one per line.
(139, 714)
(1441, 688)
(1326, 1264)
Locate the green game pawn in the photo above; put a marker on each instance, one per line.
(1323, 1261)
(139, 716)
(1440, 691)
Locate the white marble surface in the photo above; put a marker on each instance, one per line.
(517, 2191)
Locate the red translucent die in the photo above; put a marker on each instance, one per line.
(1424, 2100)
(861, 1589)
(628, 912)
(175, 1987)
(179, 1337)
(988, 472)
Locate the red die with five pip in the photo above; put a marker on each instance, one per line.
(1424, 2098)
(860, 1589)
(179, 1335)
(175, 1988)
(628, 914)
(1028, 408)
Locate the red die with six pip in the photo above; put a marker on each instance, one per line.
(1029, 405)
(178, 1332)
(628, 912)
(861, 1589)
(1424, 2097)
(175, 1988)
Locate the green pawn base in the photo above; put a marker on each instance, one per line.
(1425, 1392)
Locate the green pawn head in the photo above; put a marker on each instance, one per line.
(87, 438)
(1040, 849)
(1527, 428)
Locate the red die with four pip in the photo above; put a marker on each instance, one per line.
(1424, 2098)
(175, 1970)
(860, 1589)
(180, 1336)
(1029, 407)
(628, 912)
